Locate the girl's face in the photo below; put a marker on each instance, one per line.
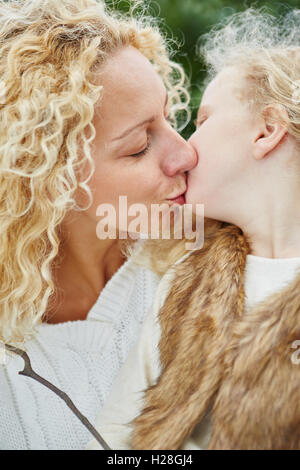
(223, 141)
(136, 151)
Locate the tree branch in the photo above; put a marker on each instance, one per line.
(29, 372)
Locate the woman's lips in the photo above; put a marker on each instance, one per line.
(179, 200)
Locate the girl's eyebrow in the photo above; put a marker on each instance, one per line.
(147, 121)
(203, 109)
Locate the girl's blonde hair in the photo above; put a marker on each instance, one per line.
(50, 52)
(267, 51)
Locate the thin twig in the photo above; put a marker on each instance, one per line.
(29, 372)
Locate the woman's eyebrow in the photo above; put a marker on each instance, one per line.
(147, 121)
(128, 131)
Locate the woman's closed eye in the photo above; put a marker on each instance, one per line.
(148, 146)
(142, 152)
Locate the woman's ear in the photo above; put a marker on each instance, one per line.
(272, 130)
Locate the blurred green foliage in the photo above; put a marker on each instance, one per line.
(187, 20)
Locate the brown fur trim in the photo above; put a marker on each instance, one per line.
(214, 354)
(258, 403)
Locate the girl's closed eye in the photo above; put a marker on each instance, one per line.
(200, 120)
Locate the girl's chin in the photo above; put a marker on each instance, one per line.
(190, 199)
(196, 204)
(192, 206)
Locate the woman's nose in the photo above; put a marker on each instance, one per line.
(181, 159)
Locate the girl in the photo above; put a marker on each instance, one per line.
(214, 367)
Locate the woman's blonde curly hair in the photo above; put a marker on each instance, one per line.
(50, 52)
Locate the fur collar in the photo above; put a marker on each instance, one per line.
(212, 354)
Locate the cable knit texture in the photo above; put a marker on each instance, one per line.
(82, 358)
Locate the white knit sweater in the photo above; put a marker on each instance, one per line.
(81, 358)
(142, 368)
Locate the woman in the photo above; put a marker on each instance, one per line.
(84, 119)
(215, 366)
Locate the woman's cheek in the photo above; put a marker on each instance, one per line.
(150, 182)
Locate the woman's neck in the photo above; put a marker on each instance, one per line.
(83, 267)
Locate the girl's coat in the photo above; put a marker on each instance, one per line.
(214, 353)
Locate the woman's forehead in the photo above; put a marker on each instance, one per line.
(132, 90)
(129, 68)
(128, 74)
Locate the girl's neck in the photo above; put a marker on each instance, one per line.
(274, 234)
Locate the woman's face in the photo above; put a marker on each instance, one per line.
(136, 152)
(223, 141)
